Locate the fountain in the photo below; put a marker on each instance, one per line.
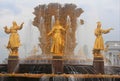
(61, 65)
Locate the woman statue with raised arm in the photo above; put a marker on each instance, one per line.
(14, 41)
(99, 42)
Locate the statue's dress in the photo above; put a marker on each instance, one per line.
(14, 41)
(99, 42)
(58, 42)
(57, 39)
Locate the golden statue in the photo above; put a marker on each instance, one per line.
(99, 42)
(57, 38)
(14, 41)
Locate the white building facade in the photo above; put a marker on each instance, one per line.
(112, 54)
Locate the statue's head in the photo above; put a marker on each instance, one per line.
(98, 24)
(14, 23)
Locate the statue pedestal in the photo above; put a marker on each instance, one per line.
(98, 63)
(57, 64)
(13, 64)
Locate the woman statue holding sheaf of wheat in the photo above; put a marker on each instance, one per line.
(57, 38)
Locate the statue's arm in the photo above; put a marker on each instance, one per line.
(21, 26)
(6, 30)
(63, 28)
(107, 30)
(51, 31)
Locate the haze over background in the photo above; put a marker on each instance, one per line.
(106, 11)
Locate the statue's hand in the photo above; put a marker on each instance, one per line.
(111, 29)
(22, 23)
(21, 26)
(5, 27)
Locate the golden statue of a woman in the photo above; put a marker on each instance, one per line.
(14, 41)
(57, 38)
(99, 42)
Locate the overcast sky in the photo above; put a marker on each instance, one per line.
(106, 11)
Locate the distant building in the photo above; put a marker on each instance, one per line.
(112, 53)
